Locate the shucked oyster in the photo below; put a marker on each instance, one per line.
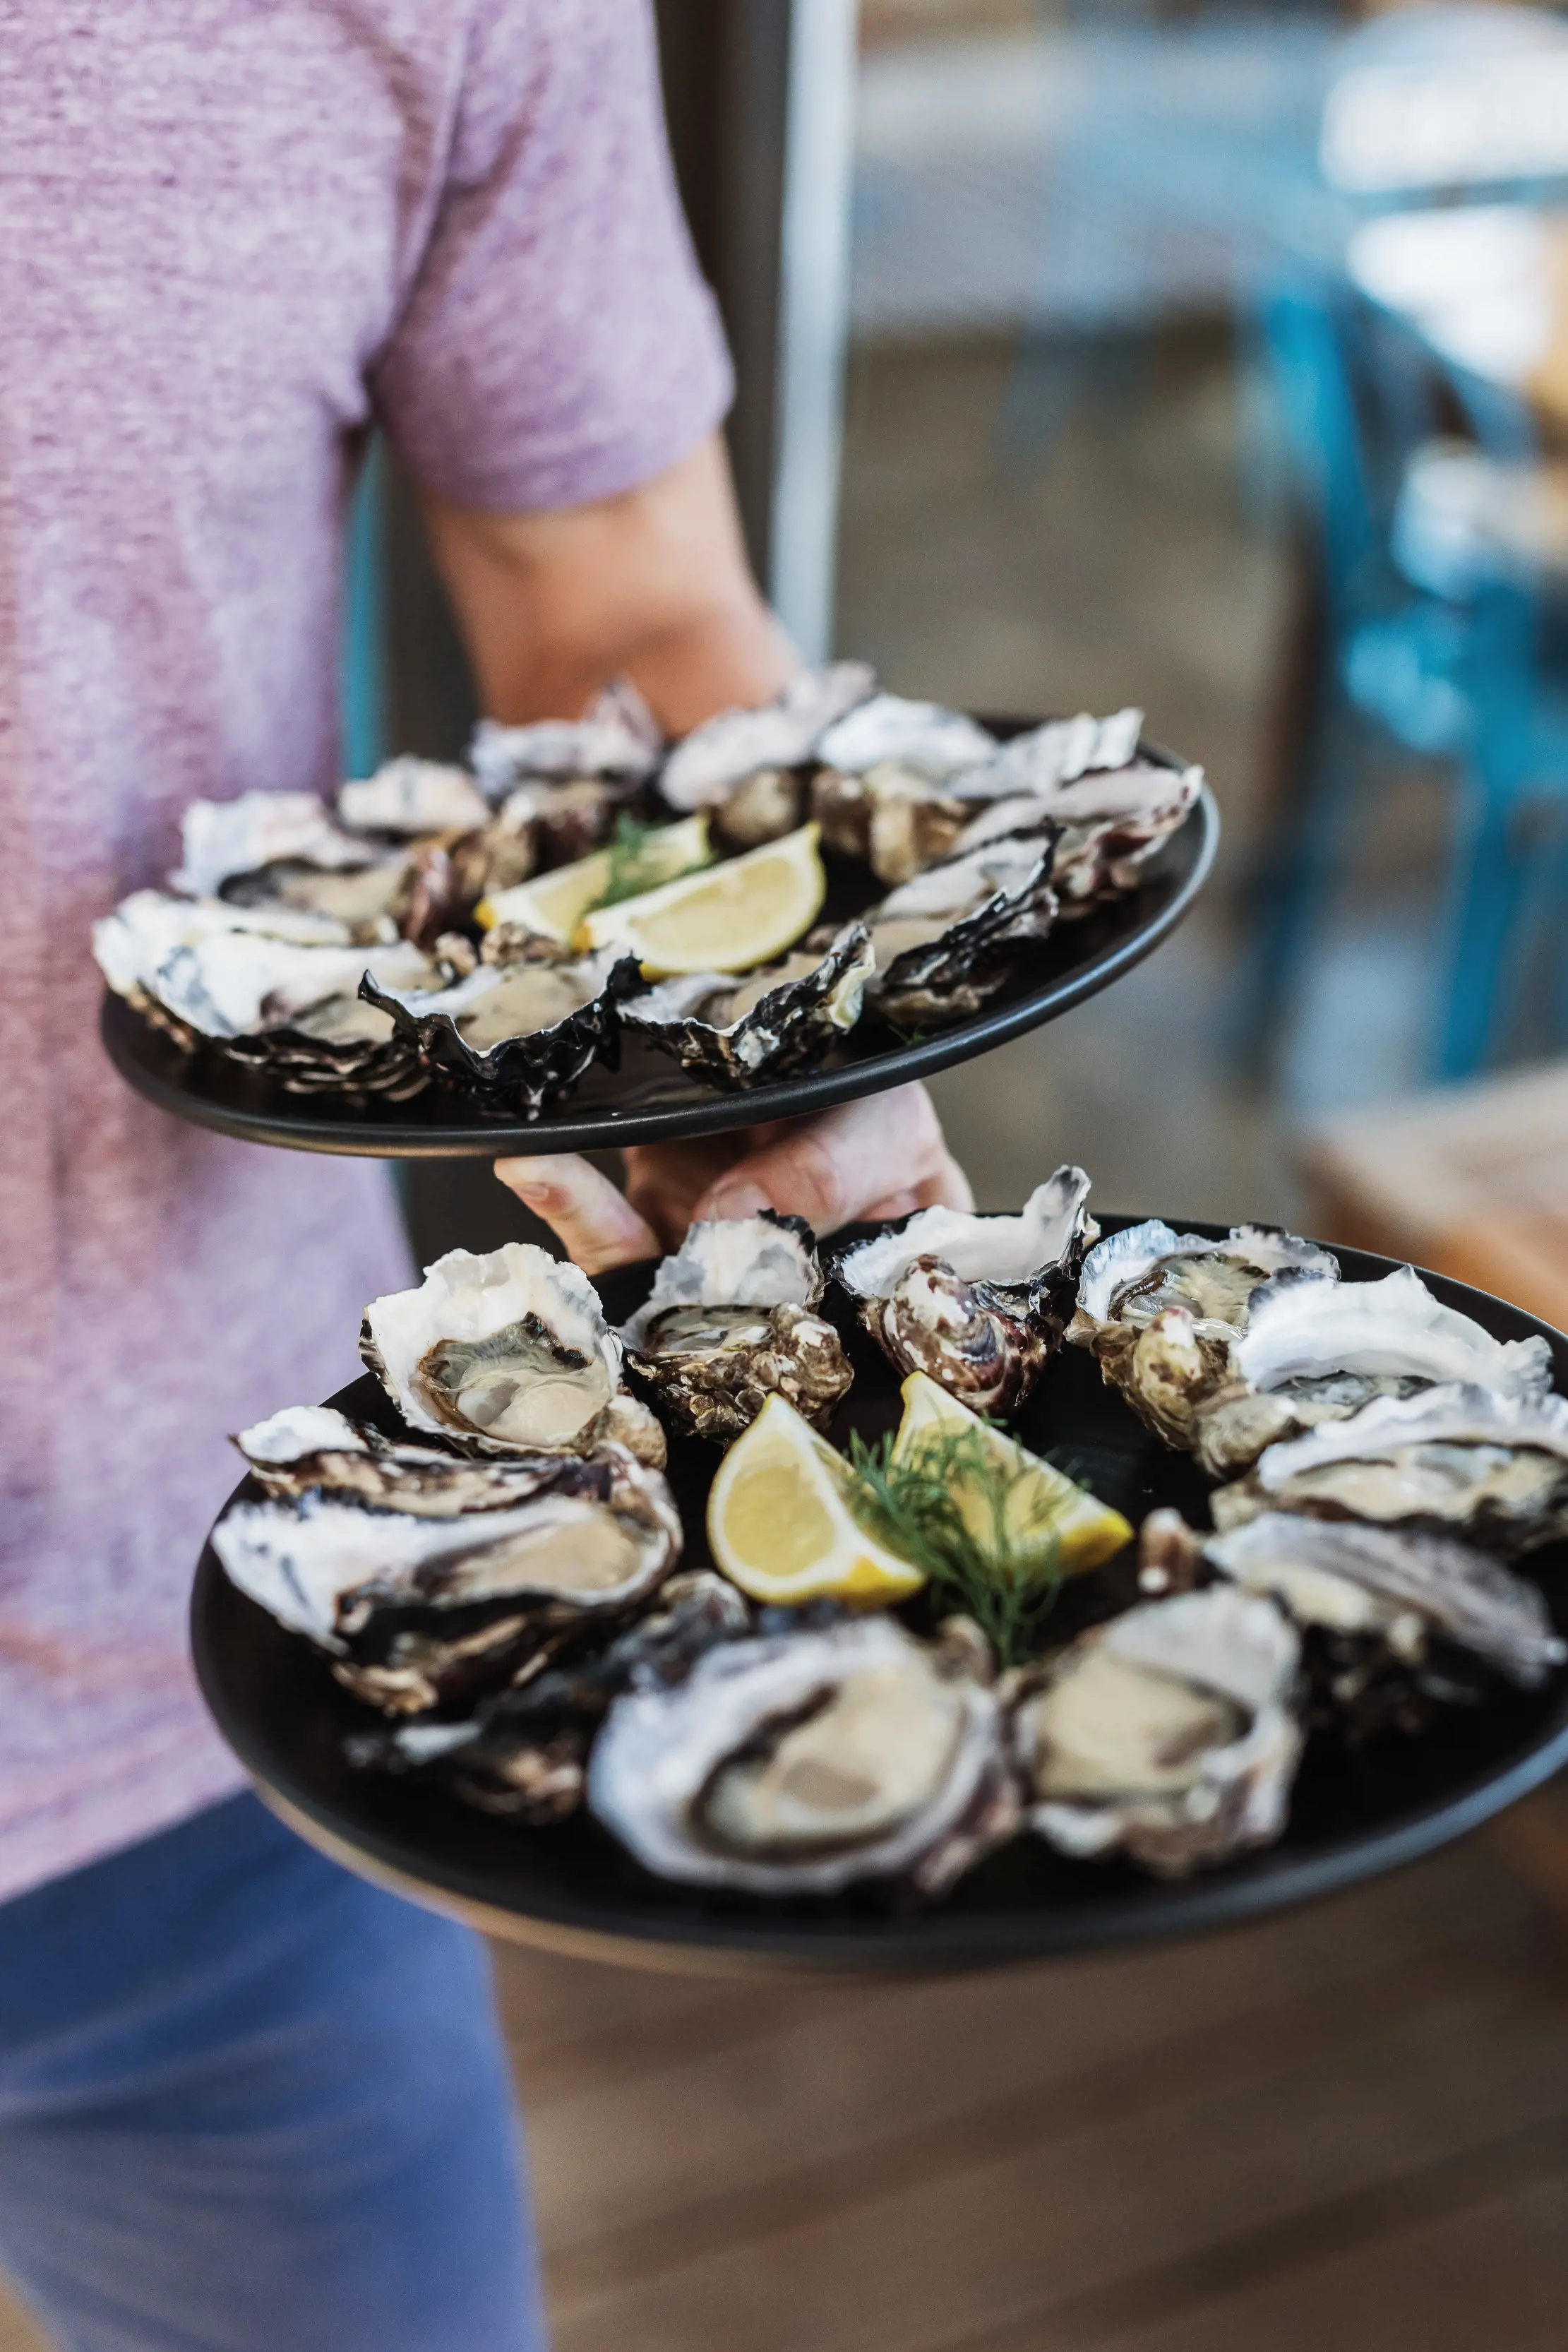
(523, 1755)
(1456, 1460)
(740, 764)
(1160, 1310)
(617, 737)
(735, 1032)
(311, 1448)
(977, 1303)
(409, 797)
(521, 1034)
(729, 1323)
(282, 852)
(508, 1352)
(1316, 1351)
(1109, 823)
(1402, 1588)
(945, 943)
(881, 793)
(418, 1609)
(801, 1762)
(1165, 1733)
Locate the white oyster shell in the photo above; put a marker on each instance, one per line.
(921, 737)
(143, 931)
(410, 796)
(999, 1249)
(510, 1351)
(241, 983)
(707, 765)
(1054, 754)
(220, 839)
(1303, 1331)
(617, 736)
(1356, 1578)
(762, 1261)
(946, 941)
(1111, 822)
(1167, 1733)
(1122, 1260)
(313, 1446)
(801, 1763)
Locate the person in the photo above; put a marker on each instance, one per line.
(246, 2100)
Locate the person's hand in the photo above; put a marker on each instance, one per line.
(878, 1158)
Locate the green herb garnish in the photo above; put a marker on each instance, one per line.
(977, 1524)
(635, 864)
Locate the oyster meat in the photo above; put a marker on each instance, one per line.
(1456, 1460)
(1167, 1733)
(523, 1755)
(947, 941)
(880, 793)
(977, 1303)
(312, 1448)
(1350, 1578)
(520, 1034)
(419, 1611)
(749, 753)
(730, 1322)
(802, 1762)
(1314, 1351)
(732, 1032)
(407, 797)
(1160, 1310)
(222, 840)
(508, 1352)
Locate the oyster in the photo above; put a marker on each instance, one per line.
(419, 1610)
(1456, 1460)
(223, 840)
(1160, 1310)
(799, 1763)
(735, 1032)
(410, 797)
(977, 1303)
(1057, 753)
(1402, 1588)
(711, 765)
(508, 1352)
(309, 1448)
(945, 943)
(1318, 1351)
(729, 1323)
(880, 794)
(617, 737)
(521, 1034)
(1110, 824)
(524, 1754)
(1167, 1733)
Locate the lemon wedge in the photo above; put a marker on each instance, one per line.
(553, 905)
(781, 1523)
(1072, 1531)
(725, 918)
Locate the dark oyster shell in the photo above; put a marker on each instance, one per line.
(793, 1021)
(519, 1074)
(975, 953)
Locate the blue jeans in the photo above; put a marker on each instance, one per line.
(248, 2104)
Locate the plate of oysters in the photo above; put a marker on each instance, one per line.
(587, 936)
(948, 1592)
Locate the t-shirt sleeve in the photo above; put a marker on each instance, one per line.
(558, 343)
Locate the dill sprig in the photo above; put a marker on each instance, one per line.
(635, 864)
(979, 1525)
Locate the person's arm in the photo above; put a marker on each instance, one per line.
(654, 586)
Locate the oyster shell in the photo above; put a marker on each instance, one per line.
(1165, 1733)
(524, 1754)
(945, 943)
(1455, 1460)
(1314, 1351)
(1160, 1310)
(707, 767)
(977, 1303)
(312, 1448)
(734, 1032)
(879, 795)
(921, 737)
(802, 1762)
(409, 797)
(1054, 754)
(1354, 1579)
(222, 840)
(520, 1034)
(1111, 824)
(508, 1352)
(729, 1323)
(617, 737)
(418, 1609)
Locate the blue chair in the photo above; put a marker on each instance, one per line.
(361, 662)
(1431, 642)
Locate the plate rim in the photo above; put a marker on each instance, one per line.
(1150, 1911)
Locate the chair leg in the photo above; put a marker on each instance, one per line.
(1489, 879)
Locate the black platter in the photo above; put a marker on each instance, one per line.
(1354, 1813)
(649, 1100)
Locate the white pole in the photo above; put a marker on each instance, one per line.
(813, 325)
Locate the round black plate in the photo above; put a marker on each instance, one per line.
(650, 1099)
(1352, 1814)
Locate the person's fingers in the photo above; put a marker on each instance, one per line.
(841, 1166)
(946, 1187)
(594, 1223)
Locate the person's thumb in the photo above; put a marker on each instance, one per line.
(594, 1223)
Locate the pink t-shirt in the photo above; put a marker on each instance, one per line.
(231, 232)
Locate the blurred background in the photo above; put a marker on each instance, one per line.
(1096, 351)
